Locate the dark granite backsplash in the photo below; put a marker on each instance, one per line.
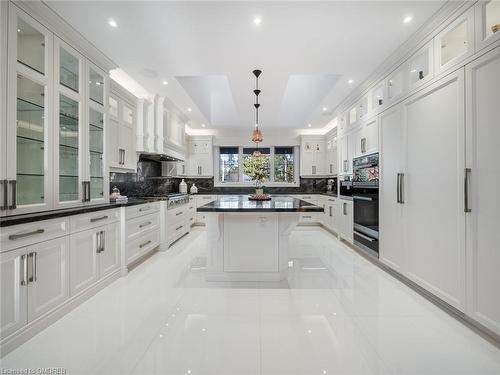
(135, 185)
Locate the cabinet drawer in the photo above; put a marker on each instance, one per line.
(141, 210)
(308, 217)
(178, 230)
(177, 213)
(136, 226)
(30, 233)
(93, 220)
(141, 245)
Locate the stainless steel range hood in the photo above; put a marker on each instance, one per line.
(157, 157)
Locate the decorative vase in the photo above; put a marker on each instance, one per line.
(495, 28)
(259, 191)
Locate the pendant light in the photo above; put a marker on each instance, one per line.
(257, 134)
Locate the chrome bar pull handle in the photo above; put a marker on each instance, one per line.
(398, 188)
(24, 269)
(467, 190)
(98, 242)
(344, 208)
(30, 268)
(103, 241)
(94, 219)
(27, 234)
(402, 188)
(34, 266)
(13, 184)
(148, 242)
(5, 195)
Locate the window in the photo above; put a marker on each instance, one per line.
(229, 170)
(284, 164)
(256, 167)
(274, 167)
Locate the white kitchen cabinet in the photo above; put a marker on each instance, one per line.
(109, 255)
(312, 161)
(331, 156)
(35, 280)
(487, 17)
(483, 220)
(202, 200)
(14, 293)
(366, 138)
(345, 217)
(122, 114)
(455, 43)
(347, 151)
(436, 222)
(3, 104)
(420, 67)
(142, 233)
(50, 274)
(331, 214)
(29, 143)
(391, 219)
(83, 269)
(425, 239)
(200, 157)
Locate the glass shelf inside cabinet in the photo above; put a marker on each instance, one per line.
(30, 141)
(30, 46)
(96, 86)
(419, 67)
(96, 147)
(68, 149)
(492, 18)
(454, 43)
(68, 71)
(378, 97)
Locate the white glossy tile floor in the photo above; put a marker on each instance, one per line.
(336, 314)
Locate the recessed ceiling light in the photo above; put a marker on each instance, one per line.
(18, 30)
(257, 20)
(407, 19)
(309, 125)
(189, 109)
(203, 125)
(112, 22)
(350, 81)
(165, 83)
(324, 109)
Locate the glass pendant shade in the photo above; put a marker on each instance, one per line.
(257, 135)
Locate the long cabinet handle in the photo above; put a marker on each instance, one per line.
(398, 193)
(5, 194)
(24, 269)
(467, 190)
(344, 208)
(13, 184)
(144, 244)
(103, 241)
(34, 266)
(30, 268)
(330, 210)
(27, 234)
(98, 242)
(144, 208)
(364, 236)
(94, 219)
(402, 188)
(178, 213)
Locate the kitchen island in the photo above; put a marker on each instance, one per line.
(249, 240)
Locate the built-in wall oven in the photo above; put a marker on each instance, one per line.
(365, 184)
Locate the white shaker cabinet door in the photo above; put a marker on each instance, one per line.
(433, 186)
(392, 250)
(483, 220)
(50, 272)
(109, 256)
(13, 279)
(84, 267)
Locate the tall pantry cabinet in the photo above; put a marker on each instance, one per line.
(483, 179)
(422, 221)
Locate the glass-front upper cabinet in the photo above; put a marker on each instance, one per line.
(69, 138)
(96, 121)
(396, 84)
(456, 42)
(487, 17)
(377, 97)
(28, 138)
(420, 67)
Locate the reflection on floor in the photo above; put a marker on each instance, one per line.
(335, 314)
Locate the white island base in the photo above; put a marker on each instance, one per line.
(248, 246)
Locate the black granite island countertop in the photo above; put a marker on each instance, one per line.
(53, 214)
(241, 203)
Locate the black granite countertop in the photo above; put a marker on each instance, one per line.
(330, 194)
(52, 214)
(241, 203)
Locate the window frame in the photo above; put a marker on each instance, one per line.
(271, 182)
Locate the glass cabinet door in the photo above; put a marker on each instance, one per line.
(69, 137)
(28, 142)
(487, 21)
(96, 154)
